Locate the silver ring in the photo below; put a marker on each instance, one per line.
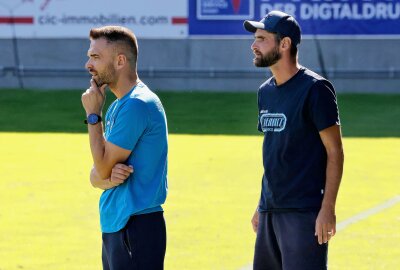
(330, 233)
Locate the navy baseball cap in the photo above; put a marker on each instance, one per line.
(277, 22)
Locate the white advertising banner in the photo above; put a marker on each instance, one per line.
(74, 18)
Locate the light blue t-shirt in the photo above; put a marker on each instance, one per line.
(136, 122)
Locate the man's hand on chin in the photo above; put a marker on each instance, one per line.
(93, 98)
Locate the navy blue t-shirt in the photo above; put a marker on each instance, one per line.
(294, 157)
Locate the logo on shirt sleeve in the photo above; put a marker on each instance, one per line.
(272, 122)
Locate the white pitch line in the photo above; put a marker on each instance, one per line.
(363, 215)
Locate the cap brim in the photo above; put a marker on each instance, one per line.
(252, 26)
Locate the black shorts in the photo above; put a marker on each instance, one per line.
(140, 245)
(287, 241)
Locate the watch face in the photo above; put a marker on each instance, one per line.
(93, 119)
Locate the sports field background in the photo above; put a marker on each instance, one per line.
(49, 214)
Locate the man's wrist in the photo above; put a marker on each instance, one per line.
(328, 206)
(93, 119)
(93, 112)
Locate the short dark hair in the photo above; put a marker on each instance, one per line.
(124, 38)
(293, 47)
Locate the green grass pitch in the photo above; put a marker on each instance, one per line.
(49, 211)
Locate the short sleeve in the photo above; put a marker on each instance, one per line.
(129, 125)
(322, 105)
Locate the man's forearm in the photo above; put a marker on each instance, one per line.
(334, 171)
(98, 182)
(97, 147)
(93, 101)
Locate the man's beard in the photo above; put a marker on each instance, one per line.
(105, 77)
(269, 59)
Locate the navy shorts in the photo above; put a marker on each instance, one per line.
(140, 245)
(286, 241)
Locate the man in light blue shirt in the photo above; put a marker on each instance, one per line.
(134, 136)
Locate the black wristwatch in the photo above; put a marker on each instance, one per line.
(93, 119)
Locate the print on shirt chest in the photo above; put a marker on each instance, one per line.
(109, 125)
(110, 120)
(272, 122)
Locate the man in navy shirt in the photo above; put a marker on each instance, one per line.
(134, 136)
(302, 152)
